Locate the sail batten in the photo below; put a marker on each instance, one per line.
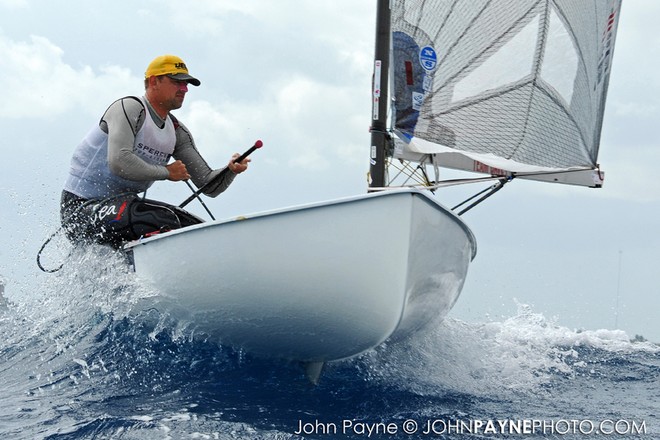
(517, 85)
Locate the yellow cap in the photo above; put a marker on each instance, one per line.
(172, 66)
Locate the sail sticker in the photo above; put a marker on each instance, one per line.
(428, 83)
(607, 42)
(481, 167)
(417, 100)
(376, 92)
(428, 58)
(409, 73)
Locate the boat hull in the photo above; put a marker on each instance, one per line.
(317, 282)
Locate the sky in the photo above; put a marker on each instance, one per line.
(297, 74)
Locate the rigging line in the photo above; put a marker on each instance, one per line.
(495, 188)
(400, 169)
(417, 173)
(415, 177)
(422, 169)
(444, 183)
(559, 171)
(490, 188)
(410, 172)
(455, 182)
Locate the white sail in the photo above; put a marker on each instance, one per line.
(502, 86)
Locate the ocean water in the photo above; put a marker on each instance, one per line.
(80, 359)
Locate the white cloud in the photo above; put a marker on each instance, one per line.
(323, 20)
(41, 84)
(208, 17)
(318, 118)
(306, 123)
(13, 4)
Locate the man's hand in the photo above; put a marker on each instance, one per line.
(238, 167)
(177, 171)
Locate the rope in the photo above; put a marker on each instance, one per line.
(61, 228)
(444, 183)
(43, 246)
(493, 189)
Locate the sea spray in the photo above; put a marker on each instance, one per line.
(86, 355)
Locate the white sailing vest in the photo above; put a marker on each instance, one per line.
(90, 176)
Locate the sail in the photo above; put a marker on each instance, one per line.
(516, 86)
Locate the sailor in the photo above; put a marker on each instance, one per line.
(126, 152)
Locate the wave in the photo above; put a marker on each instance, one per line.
(520, 355)
(81, 356)
(97, 294)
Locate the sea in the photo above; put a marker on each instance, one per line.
(81, 358)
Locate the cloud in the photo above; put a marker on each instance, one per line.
(207, 17)
(303, 122)
(327, 21)
(41, 84)
(14, 4)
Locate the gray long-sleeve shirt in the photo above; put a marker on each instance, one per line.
(121, 122)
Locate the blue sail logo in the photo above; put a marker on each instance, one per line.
(428, 58)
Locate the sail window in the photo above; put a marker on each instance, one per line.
(560, 60)
(511, 62)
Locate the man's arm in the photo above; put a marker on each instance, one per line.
(200, 172)
(123, 120)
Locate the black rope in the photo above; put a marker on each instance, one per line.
(489, 192)
(490, 188)
(43, 246)
(61, 228)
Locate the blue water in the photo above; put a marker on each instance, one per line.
(80, 359)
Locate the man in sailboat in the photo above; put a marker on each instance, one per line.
(126, 152)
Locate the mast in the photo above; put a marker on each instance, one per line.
(380, 103)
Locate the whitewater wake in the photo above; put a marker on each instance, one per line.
(81, 355)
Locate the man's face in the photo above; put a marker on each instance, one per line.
(169, 92)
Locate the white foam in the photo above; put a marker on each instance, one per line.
(517, 355)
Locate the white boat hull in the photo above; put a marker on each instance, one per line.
(314, 283)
